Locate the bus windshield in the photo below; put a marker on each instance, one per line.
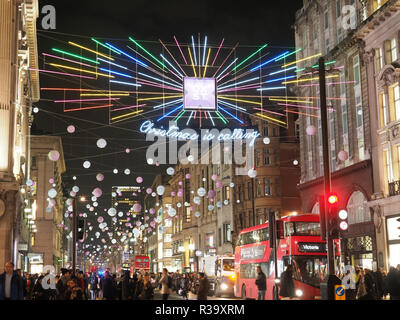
(303, 228)
(228, 265)
(310, 270)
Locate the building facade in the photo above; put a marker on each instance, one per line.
(322, 28)
(380, 35)
(47, 243)
(19, 89)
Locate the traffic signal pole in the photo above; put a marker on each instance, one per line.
(74, 227)
(326, 162)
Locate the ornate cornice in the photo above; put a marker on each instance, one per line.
(388, 76)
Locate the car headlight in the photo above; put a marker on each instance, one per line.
(224, 286)
(299, 292)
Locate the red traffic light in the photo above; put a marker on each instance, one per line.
(332, 199)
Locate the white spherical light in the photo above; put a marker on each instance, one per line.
(101, 143)
(86, 164)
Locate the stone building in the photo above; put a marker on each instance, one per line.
(19, 89)
(321, 29)
(47, 243)
(380, 34)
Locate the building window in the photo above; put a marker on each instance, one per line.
(219, 237)
(227, 193)
(227, 233)
(356, 70)
(188, 214)
(396, 100)
(265, 131)
(240, 191)
(326, 20)
(260, 217)
(338, 9)
(277, 187)
(383, 109)
(267, 160)
(357, 208)
(257, 156)
(379, 59)
(168, 238)
(259, 188)
(267, 186)
(359, 112)
(386, 171)
(391, 50)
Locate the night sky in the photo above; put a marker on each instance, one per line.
(251, 23)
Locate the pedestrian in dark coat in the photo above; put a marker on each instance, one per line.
(393, 283)
(11, 287)
(287, 283)
(107, 287)
(370, 287)
(261, 283)
(125, 286)
(203, 287)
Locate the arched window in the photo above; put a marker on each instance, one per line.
(315, 208)
(357, 208)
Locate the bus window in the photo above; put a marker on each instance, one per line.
(308, 229)
(228, 265)
(310, 270)
(289, 229)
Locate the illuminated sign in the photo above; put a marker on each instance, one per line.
(199, 93)
(148, 127)
(312, 247)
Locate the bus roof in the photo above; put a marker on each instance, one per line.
(306, 217)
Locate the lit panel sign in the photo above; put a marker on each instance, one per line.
(200, 93)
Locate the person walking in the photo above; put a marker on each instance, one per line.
(107, 287)
(261, 283)
(184, 286)
(11, 284)
(202, 294)
(369, 285)
(125, 286)
(93, 282)
(166, 284)
(147, 289)
(287, 283)
(393, 283)
(62, 283)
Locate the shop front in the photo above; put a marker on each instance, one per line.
(393, 240)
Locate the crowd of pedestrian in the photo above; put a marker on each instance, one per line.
(98, 285)
(14, 285)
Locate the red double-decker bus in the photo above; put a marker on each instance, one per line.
(300, 246)
(140, 263)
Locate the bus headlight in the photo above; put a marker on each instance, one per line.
(277, 280)
(224, 286)
(233, 277)
(299, 292)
